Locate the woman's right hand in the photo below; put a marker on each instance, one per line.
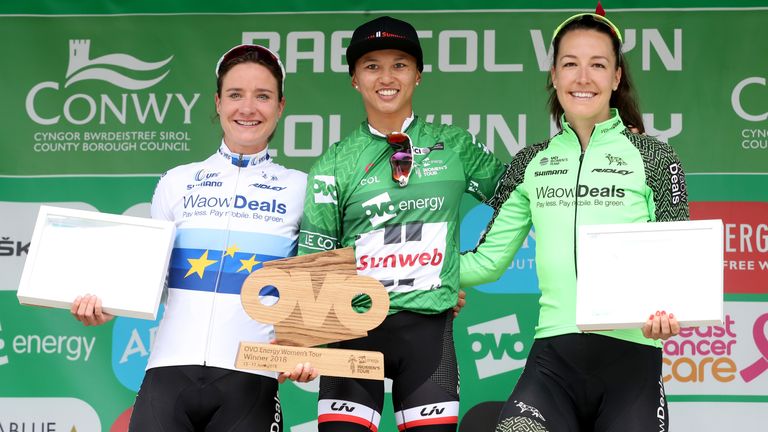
(87, 310)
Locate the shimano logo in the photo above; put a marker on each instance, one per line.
(379, 209)
(268, 187)
(495, 343)
(612, 171)
(206, 183)
(324, 188)
(581, 192)
(550, 172)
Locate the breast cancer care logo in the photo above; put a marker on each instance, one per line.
(82, 68)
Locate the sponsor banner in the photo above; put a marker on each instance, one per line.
(717, 416)
(745, 262)
(47, 414)
(731, 359)
(16, 229)
(143, 102)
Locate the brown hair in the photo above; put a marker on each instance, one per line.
(624, 98)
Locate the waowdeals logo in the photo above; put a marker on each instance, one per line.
(731, 359)
(746, 243)
(520, 276)
(110, 91)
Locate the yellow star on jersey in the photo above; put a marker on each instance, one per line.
(230, 251)
(248, 264)
(199, 264)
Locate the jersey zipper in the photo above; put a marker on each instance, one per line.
(575, 213)
(576, 202)
(226, 245)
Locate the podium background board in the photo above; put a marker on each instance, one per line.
(121, 259)
(493, 51)
(628, 271)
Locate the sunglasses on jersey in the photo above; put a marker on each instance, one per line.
(401, 161)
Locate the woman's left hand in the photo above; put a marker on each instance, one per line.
(462, 300)
(661, 326)
(304, 372)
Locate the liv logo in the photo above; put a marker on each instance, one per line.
(494, 343)
(84, 108)
(81, 67)
(379, 209)
(3, 358)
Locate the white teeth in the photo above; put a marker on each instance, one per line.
(247, 123)
(387, 92)
(583, 94)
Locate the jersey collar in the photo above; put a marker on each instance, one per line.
(406, 123)
(603, 131)
(243, 160)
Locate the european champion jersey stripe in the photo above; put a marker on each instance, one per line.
(198, 257)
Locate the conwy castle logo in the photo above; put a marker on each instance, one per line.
(82, 68)
(48, 101)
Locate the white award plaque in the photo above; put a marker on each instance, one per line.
(121, 259)
(626, 272)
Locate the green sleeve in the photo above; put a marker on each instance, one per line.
(481, 167)
(321, 222)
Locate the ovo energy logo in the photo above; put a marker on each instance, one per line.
(379, 209)
(493, 342)
(3, 358)
(324, 188)
(81, 108)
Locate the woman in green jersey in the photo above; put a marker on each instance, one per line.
(573, 381)
(392, 189)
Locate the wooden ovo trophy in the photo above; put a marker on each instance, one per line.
(314, 308)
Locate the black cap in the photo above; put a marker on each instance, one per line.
(384, 33)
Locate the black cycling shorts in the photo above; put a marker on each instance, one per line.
(201, 398)
(588, 382)
(419, 357)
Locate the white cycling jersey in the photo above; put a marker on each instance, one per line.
(232, 213)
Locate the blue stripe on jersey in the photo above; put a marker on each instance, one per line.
(186, 265)
(199, 251)
(212, 239)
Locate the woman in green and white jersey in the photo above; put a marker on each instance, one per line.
(392, 189)
(595, 171)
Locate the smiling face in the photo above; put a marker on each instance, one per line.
(249, 107)
(585, 75)
(386, 79)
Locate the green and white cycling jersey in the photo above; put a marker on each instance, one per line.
(406, 237)
(621, 178)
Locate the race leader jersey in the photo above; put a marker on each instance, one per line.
(406, 237)
(621, 178)
(232, 213)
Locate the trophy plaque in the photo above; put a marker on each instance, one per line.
(314, 308)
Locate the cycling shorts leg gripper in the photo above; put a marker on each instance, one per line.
(349, 405)
(425, 394)
(520, 424)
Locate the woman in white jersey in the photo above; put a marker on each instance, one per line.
(233, 211)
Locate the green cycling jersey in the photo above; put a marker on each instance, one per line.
(406, 237)
(621, 178)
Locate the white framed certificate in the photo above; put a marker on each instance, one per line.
(121, 259)
(628, 271)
